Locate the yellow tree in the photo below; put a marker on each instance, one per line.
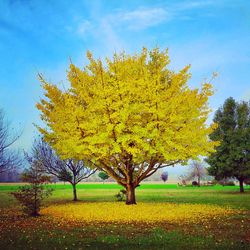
(131, 116)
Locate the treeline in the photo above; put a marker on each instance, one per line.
(11, 176)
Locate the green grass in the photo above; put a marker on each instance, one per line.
(219, 195)
(131, 236)
(156, 239)
(10, 187)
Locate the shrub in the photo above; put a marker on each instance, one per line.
(31, 196)
(195, 183)
(121, 195)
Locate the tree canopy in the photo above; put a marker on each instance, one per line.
(130, 116)
(232, 157)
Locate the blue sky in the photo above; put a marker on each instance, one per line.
(41, 36)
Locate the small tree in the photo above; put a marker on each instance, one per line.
(183, 180)
(69, 170)
(197, 171)
(164, 176)
(103, 175)
(31, 196)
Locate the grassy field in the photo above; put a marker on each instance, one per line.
(166, 217)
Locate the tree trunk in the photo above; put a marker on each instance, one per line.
(35, 207)
(35, 213)
(241, 185)
(130, 195)
(199, 181)
(74, 192)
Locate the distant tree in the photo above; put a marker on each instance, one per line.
(103, 175)
(9, 159)
(195, 183)
(69, 170)
(197, 171)
(232, 156)
(183, 180)
(164, 176)
(131, 115)
(31, 196)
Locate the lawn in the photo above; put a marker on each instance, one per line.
(166, 217)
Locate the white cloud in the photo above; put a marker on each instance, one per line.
(137, 19)
(143, 18)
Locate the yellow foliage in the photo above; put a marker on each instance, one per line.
(142, 213)
(134, 109)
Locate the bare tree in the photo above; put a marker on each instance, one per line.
(197, 170)
(9, 158)
(70, 170)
